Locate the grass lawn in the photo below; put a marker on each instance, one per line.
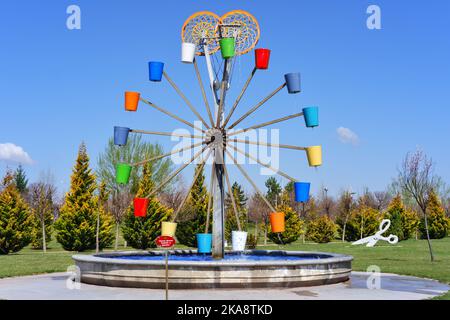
(409, 257)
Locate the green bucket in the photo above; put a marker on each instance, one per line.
(123, 171)
(227, 47)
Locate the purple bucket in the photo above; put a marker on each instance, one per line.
(121, 135)
(293, 82)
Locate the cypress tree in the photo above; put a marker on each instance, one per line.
(141, 232)
(293, 224)
(76, 225)
(438, 223)
(15, 218)
(194, 211)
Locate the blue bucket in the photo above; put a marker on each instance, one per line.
(293, 82)
(311, 115)
(302, 191)
(121, 135)
(204, 242)
(155, 70)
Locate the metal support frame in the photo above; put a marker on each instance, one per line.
(268, 123)
(189, 104)
(257, 106)
(197, 174)
(170, 114)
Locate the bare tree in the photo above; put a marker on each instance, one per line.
(382, 199)
(258, 212)
(345, 206)
(41, 201)
(417, 179)
(172, 198)
(117, 205)
(326, 203)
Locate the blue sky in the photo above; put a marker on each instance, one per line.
(391, 87)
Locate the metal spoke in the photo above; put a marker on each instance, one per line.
(168, 154)
(257, 106)
(225, 78)
(250, 180)
(185, 99)
(240, 96)
(202, 88)
(211, 190)
(281, 173)
(169, 134)
(192, 185)
(233, 201)
(173, 175)
(284, 146)
(170, 114)
(265, 124)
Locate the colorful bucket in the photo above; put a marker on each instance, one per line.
(121, 135)
(168, 228)
(277, 222)
(314, 156)
(238, 240)
(227, 47)
(155, 70)
(131, 100)
(140, 206)
(204, 242)
(262, 57)
(123, 171)
(311, 115)
(187, 52)
(293, 82)
(301, 190)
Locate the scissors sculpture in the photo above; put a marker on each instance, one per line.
(372, 240)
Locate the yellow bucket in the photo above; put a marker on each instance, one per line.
(314, 156)
(168, 229)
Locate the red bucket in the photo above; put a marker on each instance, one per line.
(262, 57)
(140, 207)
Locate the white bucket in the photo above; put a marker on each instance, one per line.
(238, 239)
(187, 52)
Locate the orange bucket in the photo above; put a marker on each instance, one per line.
(131, 100)
(277, 222)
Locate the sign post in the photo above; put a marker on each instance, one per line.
(166, 242)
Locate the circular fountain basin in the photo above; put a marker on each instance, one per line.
(189, 270)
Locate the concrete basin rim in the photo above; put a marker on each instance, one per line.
(106, 258)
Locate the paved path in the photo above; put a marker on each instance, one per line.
(393, 287)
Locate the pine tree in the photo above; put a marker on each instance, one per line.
(294, 226)
(273, 191)
(15, 218)
(20, 179)
(438, 223)
(141, 232)
(76, 225)
(241, 205)
(194, 212)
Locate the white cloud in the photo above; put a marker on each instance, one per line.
(347, 136)
(12, 153)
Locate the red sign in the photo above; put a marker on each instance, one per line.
(165, 241)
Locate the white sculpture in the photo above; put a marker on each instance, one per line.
(372, 240)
